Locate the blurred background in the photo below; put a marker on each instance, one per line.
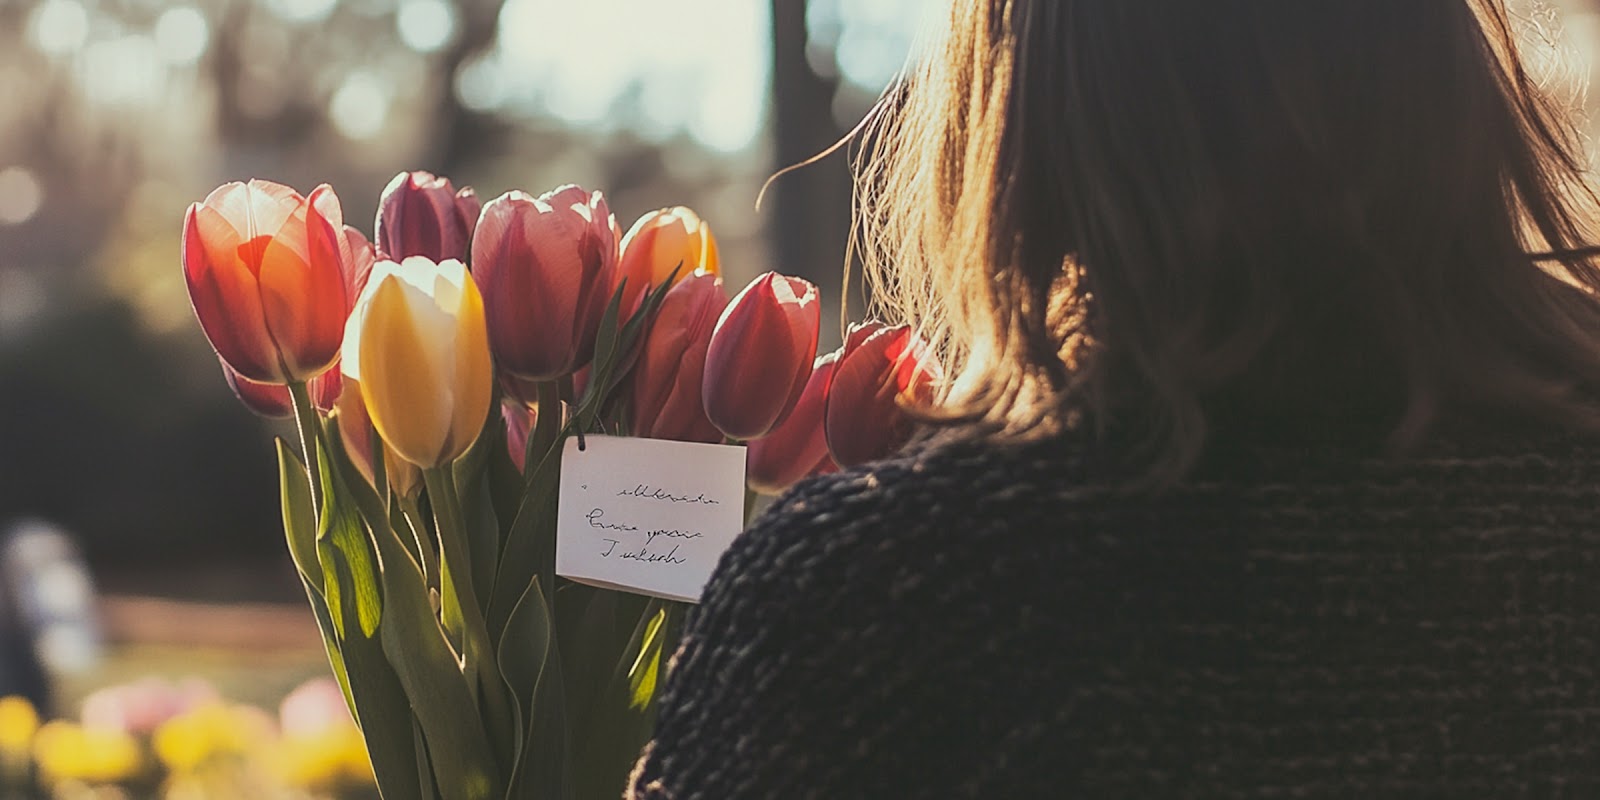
(118, 436)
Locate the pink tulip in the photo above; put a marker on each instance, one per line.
(798, 447)
(421, 214)
(263, 268)
(668, 379)
(881, 371)
(545, 267)
(314, 707)
(760, 355)
(142, 706)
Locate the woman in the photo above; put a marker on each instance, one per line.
(1271, 466)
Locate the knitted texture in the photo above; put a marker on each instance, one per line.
(983, 621)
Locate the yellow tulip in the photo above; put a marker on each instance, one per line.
(65, 751)
(420, 352)
(18, 722)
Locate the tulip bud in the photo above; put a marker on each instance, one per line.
(880, 372)
(420, 214)
(668, 379)
(264, 273)
(760, 355)
(660, 242)
(797, 447)
(420, 354)
(545, 267)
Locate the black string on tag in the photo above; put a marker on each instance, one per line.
(582, 445)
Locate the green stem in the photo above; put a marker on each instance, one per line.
(456, 567)
(305, 419)
(426, 554)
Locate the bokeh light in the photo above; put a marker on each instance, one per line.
(182, 35)
(60, 26)
(360, 107)
(426, 25)
(20, 195)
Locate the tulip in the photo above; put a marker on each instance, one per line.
(668, 379)
(797, 447)
(519, 419)
(263, 268)
(420, 214)
(760, 355)
(545, 267)
(355, 430)
(420, 354)
(660, 242)
(881, 371)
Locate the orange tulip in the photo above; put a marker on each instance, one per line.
(545, 267)
(798, 447)
(667, 381)
(660, 242)
(881, 371)
(760, 355)
(420, 214)
(263, 268)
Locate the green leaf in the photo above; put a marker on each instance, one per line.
(299, 517)
(431, 675)
(425, 782)
(531, 662)
(346, 552)
(642, 676)
(376, 695)
(531, 542)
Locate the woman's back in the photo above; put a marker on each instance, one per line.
(973, 621)
(1217, 285)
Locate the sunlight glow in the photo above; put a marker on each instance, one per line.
(360, 107)
(60, 27)
(127, 70)
(697, 66)
(303, 10)
(182, 35)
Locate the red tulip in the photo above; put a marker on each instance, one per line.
(660, 242)
(880, 372)
(263, 268)
(272, 400)
(760, 355)
(545, 267)
(797, 447)
(420, 214)
(667, 381)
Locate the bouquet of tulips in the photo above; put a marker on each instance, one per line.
(434, 374)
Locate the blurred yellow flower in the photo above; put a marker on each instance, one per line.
(329, 758)
(67, 751)
(185, 743)
(18, 723)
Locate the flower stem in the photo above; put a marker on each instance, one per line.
(457, 569)
(305, 419)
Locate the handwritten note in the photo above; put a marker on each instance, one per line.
(647, 516)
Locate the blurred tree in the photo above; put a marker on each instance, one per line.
(810, 207)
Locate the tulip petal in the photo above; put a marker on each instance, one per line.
(794, 449)
(761, 355)
(226, 297)
(473, 379)
(303, 291)
(404, 395)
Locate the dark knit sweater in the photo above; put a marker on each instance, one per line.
(970, 621)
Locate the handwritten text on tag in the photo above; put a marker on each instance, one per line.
(646, 515)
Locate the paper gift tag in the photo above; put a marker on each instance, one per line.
(646, 515)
